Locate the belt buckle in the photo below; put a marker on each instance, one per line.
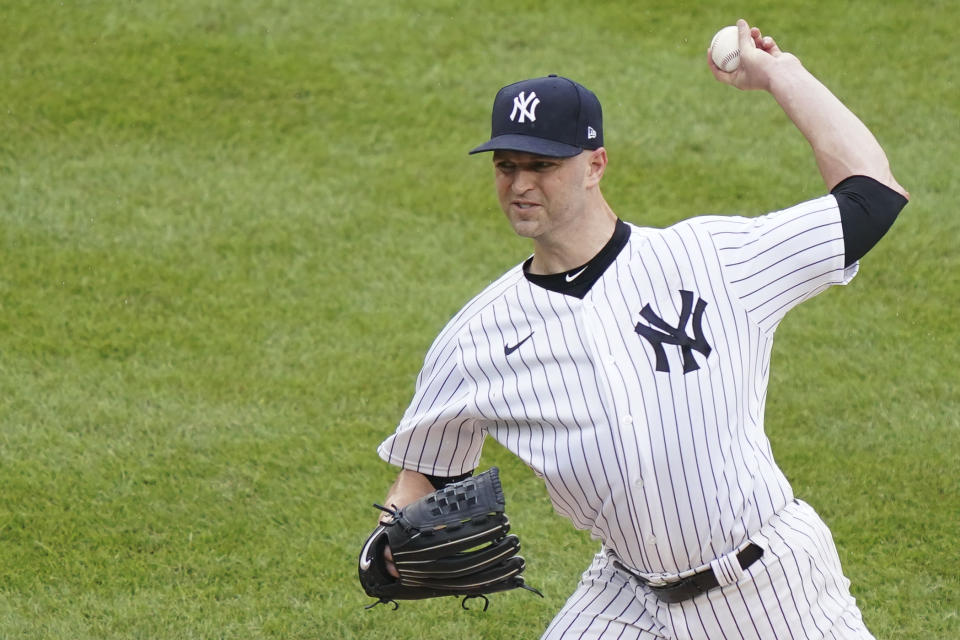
(655, 583)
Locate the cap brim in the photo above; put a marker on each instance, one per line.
(528, 144)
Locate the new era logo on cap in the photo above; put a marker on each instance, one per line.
(551, 116)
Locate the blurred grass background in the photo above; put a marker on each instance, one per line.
(230, 231)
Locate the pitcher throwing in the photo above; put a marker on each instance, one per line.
(628, 367)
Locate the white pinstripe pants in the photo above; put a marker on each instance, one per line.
(796, 591)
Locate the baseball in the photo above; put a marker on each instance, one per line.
(725, 49)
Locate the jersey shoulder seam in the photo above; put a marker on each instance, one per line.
(698, 226)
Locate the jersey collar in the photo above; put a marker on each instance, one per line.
(577, 281)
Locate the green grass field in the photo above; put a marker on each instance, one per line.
(230, 231)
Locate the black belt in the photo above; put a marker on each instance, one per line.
(698, 583)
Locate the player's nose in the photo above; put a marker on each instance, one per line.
(523, 181)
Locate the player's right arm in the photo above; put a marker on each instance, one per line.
(408, 487)
(842, 144)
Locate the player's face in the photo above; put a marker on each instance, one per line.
(540, 194)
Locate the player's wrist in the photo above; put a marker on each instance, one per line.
(786, 75)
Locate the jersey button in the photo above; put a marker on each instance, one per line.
(652, 539)
(638, 483)
(627, 420)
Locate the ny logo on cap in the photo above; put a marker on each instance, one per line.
(526, 106)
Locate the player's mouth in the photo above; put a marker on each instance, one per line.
(524, 205)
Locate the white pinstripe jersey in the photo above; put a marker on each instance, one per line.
(641, 404)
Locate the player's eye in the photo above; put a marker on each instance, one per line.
(505, 167)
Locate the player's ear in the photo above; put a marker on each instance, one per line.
(596, 165)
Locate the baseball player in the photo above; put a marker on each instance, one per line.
(628, 367)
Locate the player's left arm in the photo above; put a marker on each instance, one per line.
(867, 211)
(842, 145)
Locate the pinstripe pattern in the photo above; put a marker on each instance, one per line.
(796, 591)
(671, 470)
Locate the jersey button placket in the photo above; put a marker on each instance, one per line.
(619, 399)
(637, 481)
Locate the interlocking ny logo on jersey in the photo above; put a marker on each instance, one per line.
(676, 335)
(525, 106)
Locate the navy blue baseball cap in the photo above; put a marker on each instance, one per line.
(551, 116)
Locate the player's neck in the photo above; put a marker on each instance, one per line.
(576, 243)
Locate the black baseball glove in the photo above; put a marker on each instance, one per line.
(452, 542)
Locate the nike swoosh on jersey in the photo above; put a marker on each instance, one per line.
(507, 349)
(573, 276)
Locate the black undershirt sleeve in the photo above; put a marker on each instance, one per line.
(867, 210)
(439, 482)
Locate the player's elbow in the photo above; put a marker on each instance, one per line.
(886, 178)
(899, 189)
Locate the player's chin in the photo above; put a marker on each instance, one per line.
(524, 228)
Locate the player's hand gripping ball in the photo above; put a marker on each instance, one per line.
(725, 49)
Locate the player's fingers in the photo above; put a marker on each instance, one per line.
(745, 35)
(391, 568)
(748, 36)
